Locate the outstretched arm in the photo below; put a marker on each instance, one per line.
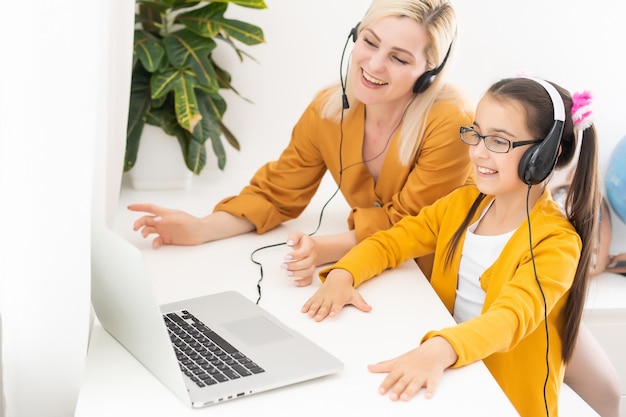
(176, 227)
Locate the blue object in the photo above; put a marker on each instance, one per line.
(616, 179)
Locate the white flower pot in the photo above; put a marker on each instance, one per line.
(160, 163)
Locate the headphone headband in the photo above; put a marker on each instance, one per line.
(557, 100)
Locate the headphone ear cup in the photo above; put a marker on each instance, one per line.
(525, 166)
(539, 161)
(424, 81)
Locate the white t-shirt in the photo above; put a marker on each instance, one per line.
(479, 253)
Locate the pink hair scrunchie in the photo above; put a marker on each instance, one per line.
(581, 110)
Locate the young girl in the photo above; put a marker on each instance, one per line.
(509, 265)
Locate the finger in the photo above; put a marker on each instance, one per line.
(390, 385)
(146, 221)
(303, 282)
(361, 304)
(315, 310)
(293, 238)
(147, 231)
(298, 268)
(431, 387)
(335, 309)
(411, 389)
(139, 223)
(322, 312)
(305, 273)
(149, 208)
(157, 242)
(380, 367)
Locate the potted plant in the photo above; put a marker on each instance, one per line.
(175, 80)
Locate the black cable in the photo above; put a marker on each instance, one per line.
(345, 106)
(545, 304)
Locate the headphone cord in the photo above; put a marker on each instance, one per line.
(545, 304)
(345, 106)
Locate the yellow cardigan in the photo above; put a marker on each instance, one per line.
(282, 189)
(509, 335)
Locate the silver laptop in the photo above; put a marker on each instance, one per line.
(240, 348)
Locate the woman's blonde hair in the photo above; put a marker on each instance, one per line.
(439, 20)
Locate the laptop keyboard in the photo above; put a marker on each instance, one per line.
(202, 354)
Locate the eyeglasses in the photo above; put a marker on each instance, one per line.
(493, 143)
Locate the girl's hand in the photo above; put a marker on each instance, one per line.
(335, 292)
(300, 263)
(420, 368)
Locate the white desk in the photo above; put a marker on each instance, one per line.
(404, 308)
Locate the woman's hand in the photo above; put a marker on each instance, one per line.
(300, 263)
(420, 368)
(175, 227)
(172, 227)
(335, 292)
(310, 252)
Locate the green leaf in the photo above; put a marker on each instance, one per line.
(195, 157)
(246, 33)
(208, 21)
(148, 50)
(149, 16)
(214, 105)
(223, 77)
(240, 53)
(230, 138)
(138, 109)
(193, 153)
(185, 49)
(252, 4)
(182, 83)
(218, 150)
(202, 21)
(209, 125)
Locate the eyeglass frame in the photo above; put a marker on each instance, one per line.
(512, 145)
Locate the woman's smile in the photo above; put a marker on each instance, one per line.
(371, 79)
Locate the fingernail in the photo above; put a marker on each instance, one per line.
(290, 242)
(157, 218)
(288, 257)
(284, 266)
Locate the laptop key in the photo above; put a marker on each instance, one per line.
(203, 355)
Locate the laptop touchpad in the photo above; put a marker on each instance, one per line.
(256, 331)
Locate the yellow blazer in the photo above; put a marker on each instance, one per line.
(509, 335)
(282, 189)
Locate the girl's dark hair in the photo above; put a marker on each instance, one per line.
(583, 199)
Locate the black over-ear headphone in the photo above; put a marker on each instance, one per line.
(539, 161)
(427, 78)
